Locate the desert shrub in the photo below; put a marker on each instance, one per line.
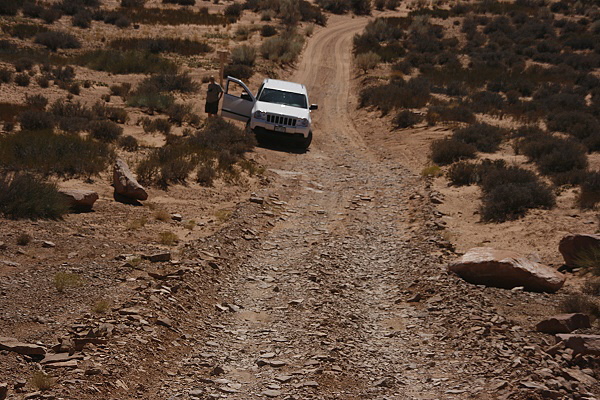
(36, 101)
(43, 81)
(24, 64)
(128, 143)
(234, 10)
(447, 151)
(154, 101)
(32, 9)
(463, 173)
(392, 4)
(184, 47)
(335, 6)
(169, 82)
(379, 4)
(180, 2)
(268, 31)
(283, 49)
(63, 73)
(25, 196)
(512, 200)
(239, 71)
(414, 93)
(105, 131)
(10, 7)
(589, 195)
(553, 155)
(72, 7)
(6, 75)
(22, 79)
(71, 116)
(458, 113)
(579, 124)
(406, 119)
(580, 303)
(121, 90)
(115, 114)
(164, 16)
(135, 3)
(75, 89)
(50, 15)
(55, 40)
(367, 61)
(46, 152)
(486, 102)
(126, 62)
(65, 280)
(83, 19)
(243, 55)
(42, 381)
(361, 7)
(178, 112)
(484, 137)
(206, 173)
(33, 120)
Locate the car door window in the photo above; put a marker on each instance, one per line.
(237, 90)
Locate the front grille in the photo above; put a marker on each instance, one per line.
(281, 120)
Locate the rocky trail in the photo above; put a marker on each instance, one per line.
(330, 282)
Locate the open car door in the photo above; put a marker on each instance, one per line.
(238, 100)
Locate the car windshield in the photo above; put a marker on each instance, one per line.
(282, 97)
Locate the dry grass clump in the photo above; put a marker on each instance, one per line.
(41, 381)
(66, 280)
(24, 239)
(162, 215)
(101, 306)
(137, 223)
(168, 238)
(580, 303)
(406, 119)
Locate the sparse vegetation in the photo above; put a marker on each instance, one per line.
(41, 381)
(126, 62)
(23, 239)
(101, 306)
(284, 48)
(55, 40)
(66, 280)
(447, 151)
(168, 238)
(184, 47)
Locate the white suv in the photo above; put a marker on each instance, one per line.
(281, 108)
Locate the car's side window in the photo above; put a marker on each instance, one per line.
(237, 90)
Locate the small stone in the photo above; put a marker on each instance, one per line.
(48, 244)
(310, 384)
(271, 393)
(267, 355)
(277, 364)
(257, 199)
(158, 257)
(217, 371)
(19, 384)
(2, 246)
(283, 378)
(176, 217)
(164, 321)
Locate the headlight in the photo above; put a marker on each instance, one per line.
(303, 122)
(260, 115)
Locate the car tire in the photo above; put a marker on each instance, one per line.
(305, 142)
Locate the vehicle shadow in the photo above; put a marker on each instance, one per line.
(284, 145)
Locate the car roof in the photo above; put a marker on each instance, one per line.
(284, 85)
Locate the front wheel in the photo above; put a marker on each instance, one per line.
(305, 142)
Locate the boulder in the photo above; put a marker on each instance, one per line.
(563, 323)
(506, 269)
(79, 198)
(581, 344)
(576, 246)
(125, 183)
(12, 344)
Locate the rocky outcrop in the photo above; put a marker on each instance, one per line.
(79, 198)
(125, 183)
(581, 344)
(506, 269)
(563, 323)
(12, 344)
(576, 247)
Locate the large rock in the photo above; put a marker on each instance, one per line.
(576, 247)
(506, 269)
(125, 183)
(79, 198)
(563, 323)
(581, 344)
(12, 344)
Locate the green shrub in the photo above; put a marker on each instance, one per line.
(447, 151)
(25, 196)
(367, 61)
(283, 49)
(243, 55)
(484, 137)
(126, 62)
(49, 153)
(55, 40)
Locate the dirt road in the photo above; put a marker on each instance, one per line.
(344, 294)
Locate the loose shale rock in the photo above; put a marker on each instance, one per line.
(125, 183)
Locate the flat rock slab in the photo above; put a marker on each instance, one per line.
(125, 183)
(581, 344)
(506, 269)
(575, 248)
(563, 323)
(158, 257)
(79, 198)
(12, 344)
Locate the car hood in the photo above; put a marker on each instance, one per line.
(281, 109)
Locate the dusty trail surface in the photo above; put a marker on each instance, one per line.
(344, 293)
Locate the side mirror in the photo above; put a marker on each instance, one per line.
(313, 107)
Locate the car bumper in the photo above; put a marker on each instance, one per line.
(266, 127)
